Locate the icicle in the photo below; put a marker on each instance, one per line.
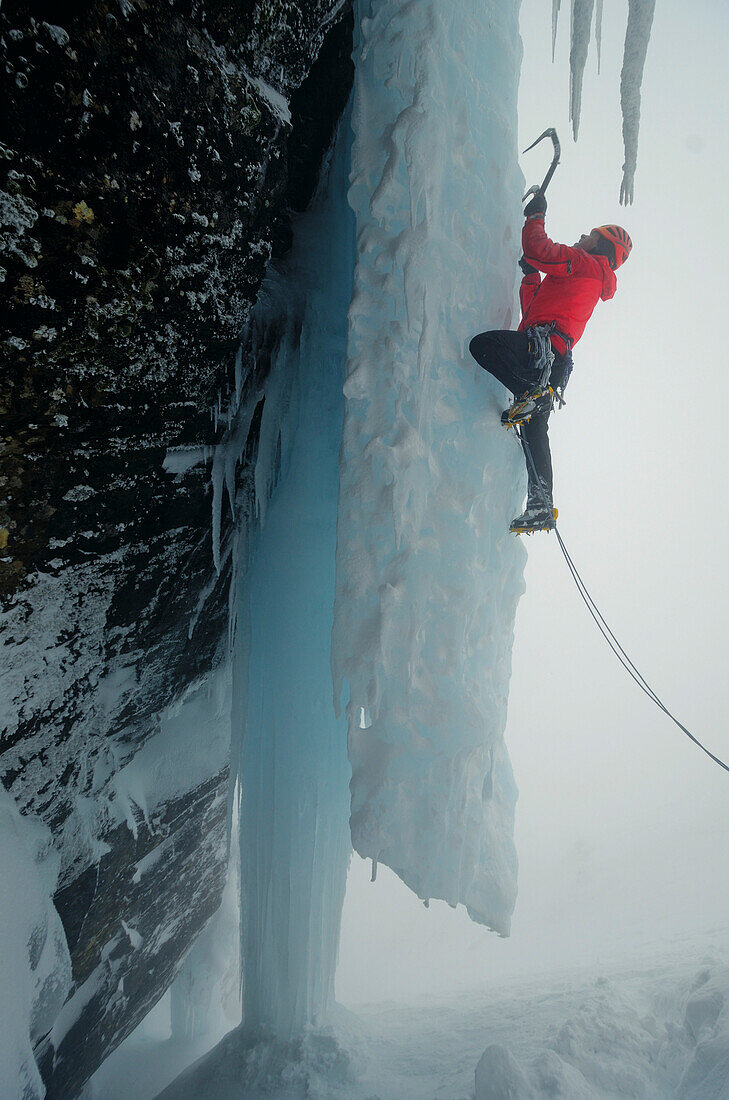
(239, 370)
(227, 455)
(637, 35)
(555, 17)
(580, 23)
(598, 33)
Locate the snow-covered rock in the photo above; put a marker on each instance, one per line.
(138, 214)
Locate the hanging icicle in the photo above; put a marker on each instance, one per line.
(555, 17)
(637, 36)
(598, 33)
(580, 22)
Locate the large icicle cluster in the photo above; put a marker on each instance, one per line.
(637, 36)
(428, 575)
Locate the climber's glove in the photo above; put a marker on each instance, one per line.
(538, 205)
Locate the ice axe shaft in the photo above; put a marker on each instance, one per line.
(549, 133)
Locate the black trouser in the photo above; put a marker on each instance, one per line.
(505, 354)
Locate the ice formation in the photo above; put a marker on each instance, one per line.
(293, 771)
(640, 21)
(581, 22)
(637, 36)
(428, 577)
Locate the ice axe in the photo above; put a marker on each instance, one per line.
(550, 133)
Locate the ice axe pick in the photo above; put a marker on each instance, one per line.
(550, 133)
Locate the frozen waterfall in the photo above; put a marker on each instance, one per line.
(428, 576)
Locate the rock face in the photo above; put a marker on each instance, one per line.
(150, 157)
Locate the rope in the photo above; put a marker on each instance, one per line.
(603, 627)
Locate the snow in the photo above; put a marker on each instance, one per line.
(428, 577)
(279, 103)
(611, 1032)
(649, 1028)
(193, 744)
(178, 460)
(35, 968)
(38, 670)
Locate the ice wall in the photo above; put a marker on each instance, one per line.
(293, 769)
(428, 574)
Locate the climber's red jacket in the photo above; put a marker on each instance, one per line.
(574, 283)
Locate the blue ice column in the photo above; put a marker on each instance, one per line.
(294, 771)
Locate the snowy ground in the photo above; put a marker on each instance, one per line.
(654, 1029)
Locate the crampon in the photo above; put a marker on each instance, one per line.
(534, 519)
(524, 408)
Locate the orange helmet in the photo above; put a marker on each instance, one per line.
(620, 241)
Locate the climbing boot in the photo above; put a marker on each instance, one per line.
(537, 518)
(525, 407)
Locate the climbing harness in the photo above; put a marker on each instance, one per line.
(602, 626)
(540, 398)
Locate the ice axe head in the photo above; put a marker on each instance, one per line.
(550, 133)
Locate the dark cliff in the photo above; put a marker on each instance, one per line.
(151, 156)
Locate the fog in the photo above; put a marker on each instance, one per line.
(621, 821)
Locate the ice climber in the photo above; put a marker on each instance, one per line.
(535, 362)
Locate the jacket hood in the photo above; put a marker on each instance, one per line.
(609, 282)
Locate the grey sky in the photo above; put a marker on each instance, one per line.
(621, 823)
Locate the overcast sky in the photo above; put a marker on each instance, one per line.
(622, 824)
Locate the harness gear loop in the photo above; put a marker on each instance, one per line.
(541, 353)
(541, 357)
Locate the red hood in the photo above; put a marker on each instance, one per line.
(609, 282)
